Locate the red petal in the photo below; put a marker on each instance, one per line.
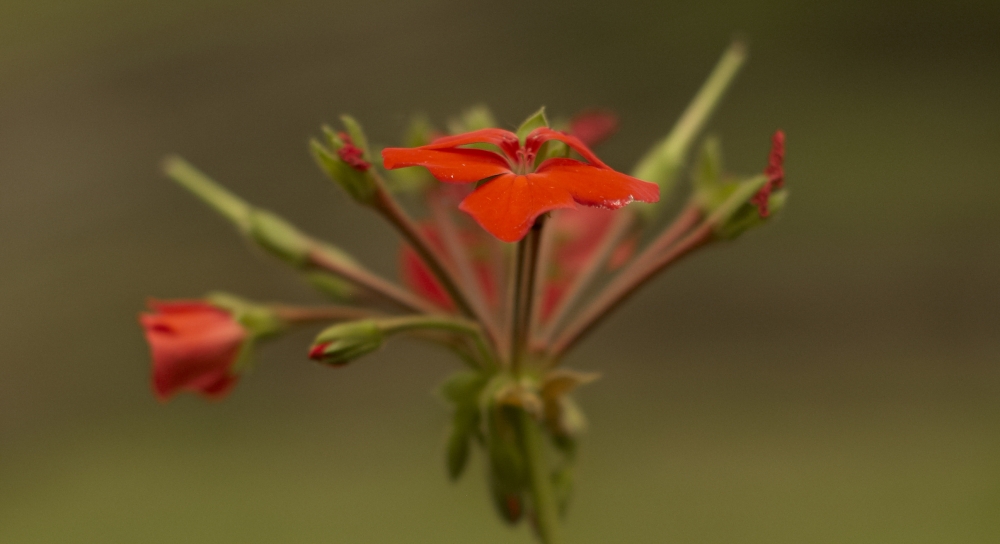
(451, 165)
(496, 136)
(593, 186)
(542, 134)
(508, 205)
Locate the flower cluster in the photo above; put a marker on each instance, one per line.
(517, 229)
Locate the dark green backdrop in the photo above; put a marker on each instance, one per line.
(832, 378)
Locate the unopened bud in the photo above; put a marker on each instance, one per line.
(344, 158)
(345, 342)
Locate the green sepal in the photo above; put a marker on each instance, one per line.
(359, 185)
(748, 216)
(475, 118)
(533, 121)
(462, 390)
(357, 135)
(258, 319)
(279, 237)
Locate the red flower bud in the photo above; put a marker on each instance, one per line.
(352, 154)
(194, 346)
(775, 173)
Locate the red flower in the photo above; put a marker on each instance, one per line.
(775, 173)
(194, 346)
(516, 191)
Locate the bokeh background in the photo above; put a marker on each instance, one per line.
(831, 378)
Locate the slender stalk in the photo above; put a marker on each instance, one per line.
(621, 223)
(394, 213)
(542, 494)
(689, 218)
(466, 274)
(524, 287)
(320, 259)
(470, 329)
(625, 285)
(545, 249)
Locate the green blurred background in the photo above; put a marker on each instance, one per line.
(831, 378)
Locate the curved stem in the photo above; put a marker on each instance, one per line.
(470, 329)
(466, 274)
(320, 259)
(625, 285)
(608, 243)
(394, 213)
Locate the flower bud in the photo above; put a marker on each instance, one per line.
(345, 159)
(345, 342)
(738, 205)
(195, 346)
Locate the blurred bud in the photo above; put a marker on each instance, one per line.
(345, 342)
(593, 126)
(474, 118)
(345, 159)
(195, 346)
(734, 205)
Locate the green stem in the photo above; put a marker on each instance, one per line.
(542, 494)
(470, 329)
(322, 259)
(524, 287)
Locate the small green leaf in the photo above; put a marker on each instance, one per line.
(465, 423)
(534, 121)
